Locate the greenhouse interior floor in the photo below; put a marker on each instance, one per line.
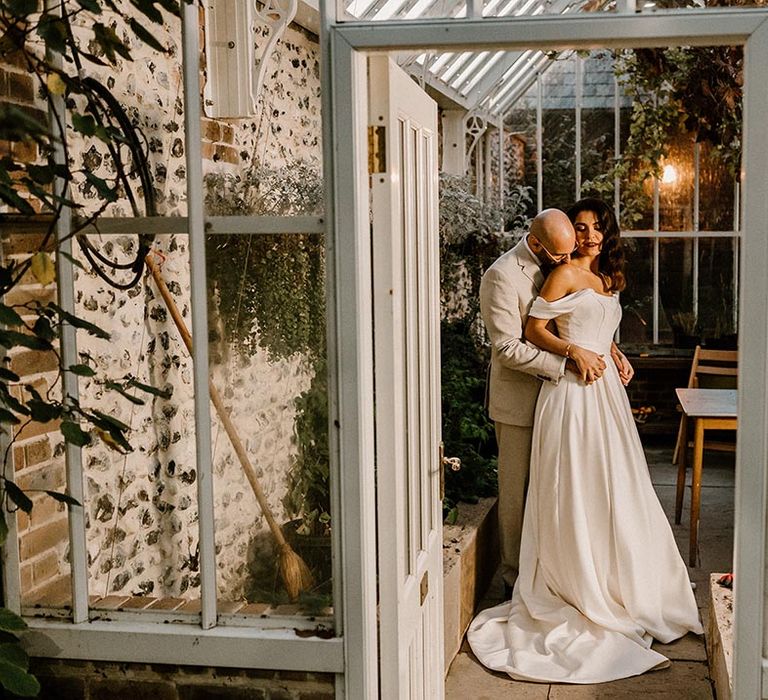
(688, 676)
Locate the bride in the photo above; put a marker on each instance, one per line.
(600, 573)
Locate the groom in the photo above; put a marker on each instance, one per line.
(517, 370)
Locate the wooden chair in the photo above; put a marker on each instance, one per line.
(710, 369)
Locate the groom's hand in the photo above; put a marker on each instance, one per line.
(588, 364)
(626, 371)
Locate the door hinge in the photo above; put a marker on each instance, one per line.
(377, 157)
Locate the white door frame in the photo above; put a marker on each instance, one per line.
(344, 86)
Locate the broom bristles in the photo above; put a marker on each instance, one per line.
(296, 575)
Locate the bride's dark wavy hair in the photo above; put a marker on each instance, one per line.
(611, 260)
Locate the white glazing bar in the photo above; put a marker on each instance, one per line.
(539, 144)
(680, 234)
(65, 287)
(752, 444)
(736, 251)
(656, 275)
(350, 342)
(616, 146)
(578, 77)
(9, 552)
(214, 225)
(190, 31)
(696, 188)
(488, 161)
(711, 27)
(474, 8)
(502, 163)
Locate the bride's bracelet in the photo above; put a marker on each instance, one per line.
(568, 351)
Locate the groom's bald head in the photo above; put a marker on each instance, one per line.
(552, 230)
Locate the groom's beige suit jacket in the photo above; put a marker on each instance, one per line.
(507, 291)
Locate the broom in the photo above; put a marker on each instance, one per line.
(293, 570)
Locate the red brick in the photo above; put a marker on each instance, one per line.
(33, 429)
(42, 539)
(20, 87)
(23, 295)
(208, 151)
(44, 511)
(22, 520)
(25, 243)
(18, 458)
(226, 154)
(25, 151)
(26, 577)
(38, 451)
(211, 131)
(227, 133)
(45, 568)
(50, 477)
(29, 362)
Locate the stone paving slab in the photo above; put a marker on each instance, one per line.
(470, 680)
(688, 648)
(684, 679)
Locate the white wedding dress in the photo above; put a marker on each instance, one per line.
(600, 573)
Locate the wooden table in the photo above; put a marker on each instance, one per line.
(709, 409)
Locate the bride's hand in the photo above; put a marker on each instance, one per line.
(589, 365)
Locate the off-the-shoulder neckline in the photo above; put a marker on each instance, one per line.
(611, 295)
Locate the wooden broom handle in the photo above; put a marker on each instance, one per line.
(229, 427)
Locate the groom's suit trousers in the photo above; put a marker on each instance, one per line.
(514, 442)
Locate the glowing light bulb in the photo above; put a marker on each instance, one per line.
(669, 175)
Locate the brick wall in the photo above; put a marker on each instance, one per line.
(37, 455)
(108, 681)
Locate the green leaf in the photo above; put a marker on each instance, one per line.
(82, 370)
(73, 320)
(3, 528)
(42, 174)
(63, 498)
(162, 393)
(53, 31)
(90, 5)
(19, 498)
(16, 680)
(8, 376)
(44, 411)
(17, 125)
(21, 8)
(120, 389)
(110, 43)
(74, 434)
(107, 193)
(12, 198)
(9, 339)
(9, 316)
(13, 654)
(42, 329)
(84, 123)
(8, 417)
(11, 622)
(145, 36)
(147, 8)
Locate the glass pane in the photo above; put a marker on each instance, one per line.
(718, 259)
(716, 192)
(676, 186)
(678, 324)
(559, 137)
(637, 299)
(636, 201)
(521, 147)
(268, 362)
(35, 461)
(141, 504)
(597, 124)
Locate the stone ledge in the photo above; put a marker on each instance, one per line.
(719, 638)
(470, 559)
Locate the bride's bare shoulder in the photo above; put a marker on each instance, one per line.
(560, 281)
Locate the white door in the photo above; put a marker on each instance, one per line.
(406, 315)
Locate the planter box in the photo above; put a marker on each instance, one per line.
(470, 559)
(719, 638)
